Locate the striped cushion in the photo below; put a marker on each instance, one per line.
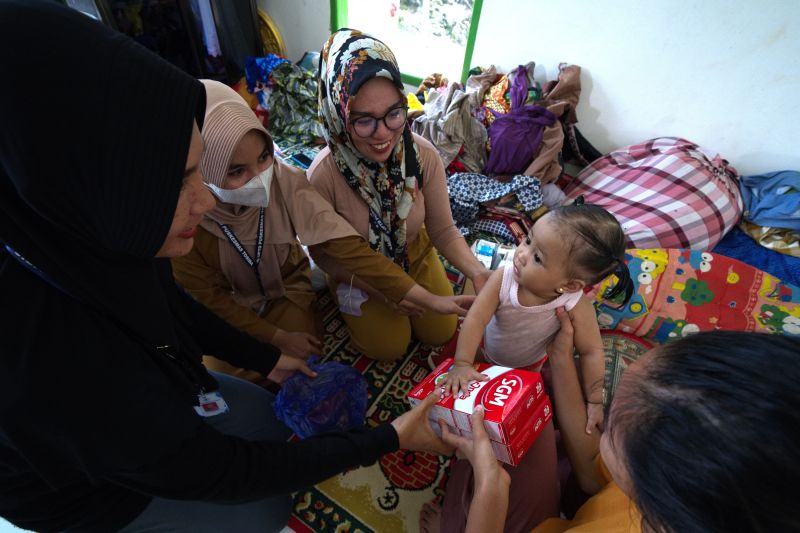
(666, 193)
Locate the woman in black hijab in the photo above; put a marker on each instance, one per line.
(105, 415)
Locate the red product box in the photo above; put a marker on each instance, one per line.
(513, 400)
(513, 452)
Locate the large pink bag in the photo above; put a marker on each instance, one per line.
(666, 193)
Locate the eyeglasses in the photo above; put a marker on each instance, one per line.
(394, 119)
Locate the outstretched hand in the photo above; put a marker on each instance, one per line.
(287, 366)
(459, 376)
(480, 279)
(564, 340)
(452, 305)
(297, 343)
(414, 431)
(407, 308)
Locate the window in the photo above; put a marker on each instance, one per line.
(426, 36)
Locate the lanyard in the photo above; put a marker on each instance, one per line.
(393, 251)
(166, 350)
(252, 263)
(382, 226)
(33, 268)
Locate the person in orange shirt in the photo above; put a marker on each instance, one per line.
(701, 436)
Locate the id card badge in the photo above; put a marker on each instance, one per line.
(211, 404)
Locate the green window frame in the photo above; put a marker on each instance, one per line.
(339, 19)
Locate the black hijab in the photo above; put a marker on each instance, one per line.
(93, 146)
(96, 131)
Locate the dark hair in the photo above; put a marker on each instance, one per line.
(603, 249)
(710, 434)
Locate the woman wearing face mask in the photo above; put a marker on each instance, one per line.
(390, 185)
(247, 264)
(109, 421)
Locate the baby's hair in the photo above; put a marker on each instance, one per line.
(600, 249)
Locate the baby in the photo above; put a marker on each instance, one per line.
(567, 249)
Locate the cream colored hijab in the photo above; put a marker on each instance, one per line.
(295, 208)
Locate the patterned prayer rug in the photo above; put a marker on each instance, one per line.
(387, 496)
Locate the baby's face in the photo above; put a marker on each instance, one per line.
(541, 263)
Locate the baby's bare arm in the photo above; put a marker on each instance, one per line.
(592, 359)
(469, 338)
(478, 316)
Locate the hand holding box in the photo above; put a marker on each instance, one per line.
(516, 407)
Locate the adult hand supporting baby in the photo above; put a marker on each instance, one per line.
(581, 447)
(563, 344)
(490, 499)
(414, 431)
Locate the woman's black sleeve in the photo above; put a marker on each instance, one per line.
(211, 466)
(218, 338)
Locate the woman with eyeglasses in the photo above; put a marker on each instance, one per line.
(390, 185)
(247, 264)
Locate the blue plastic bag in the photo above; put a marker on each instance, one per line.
(336, 400)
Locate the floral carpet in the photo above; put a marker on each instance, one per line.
(387, 496)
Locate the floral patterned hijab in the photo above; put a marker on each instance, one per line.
(348, 60)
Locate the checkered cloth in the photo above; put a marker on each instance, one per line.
(468, 190)
(666, 193)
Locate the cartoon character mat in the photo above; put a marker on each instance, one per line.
(679, 292)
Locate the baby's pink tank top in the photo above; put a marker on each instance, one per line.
(517, 336)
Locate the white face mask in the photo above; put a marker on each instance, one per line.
(254, 193)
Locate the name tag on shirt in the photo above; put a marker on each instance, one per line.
(211, 404)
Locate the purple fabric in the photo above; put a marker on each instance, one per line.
(515, 136)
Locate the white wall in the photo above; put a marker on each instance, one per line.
(722, 73)
(304, 24)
